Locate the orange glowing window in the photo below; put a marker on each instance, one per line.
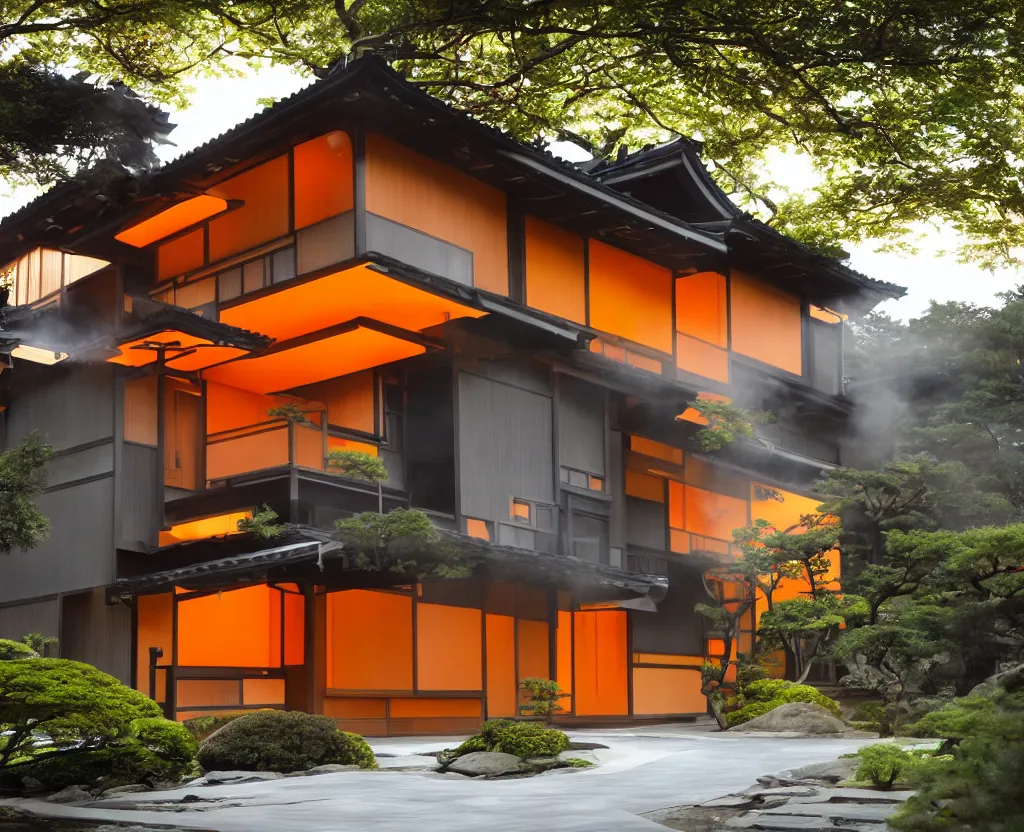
(701, 308)
(702, 359)
(645, 486)
(642, 362)
(323, 178)
(449, 654)
(822, 313)
(351, 400)
(716, 647)
(648, 447)
(630, 297)
(713, 515)
(340, 443)
(171, 220)
(182, 254)
(601, 656)
(247, 623)
(691, 414)
(207, 527)
(501, 665)
(595, 483)
(477, 528)
(262, 217)
(665, 691)
(356, 349)
(520, 511)
(533, 649)
(555, 271)
(182, 351)
(380, 658)
(417, 191)
(155, 628)
(766, 324)
(356, 292)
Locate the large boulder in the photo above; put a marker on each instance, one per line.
(486, 764)
(798, 717)
(1011, 679)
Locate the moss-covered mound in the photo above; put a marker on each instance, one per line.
(523, 739)
(282, 741)
(758, 698)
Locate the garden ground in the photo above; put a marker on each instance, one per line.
(642, 770)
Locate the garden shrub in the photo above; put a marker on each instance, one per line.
(760, 697)
(201, 727)
(282, 741)
(884, 764)
(10, 650)
(523, 739)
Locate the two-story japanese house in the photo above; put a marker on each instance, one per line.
(516, 338)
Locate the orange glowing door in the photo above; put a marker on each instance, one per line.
(181, 454)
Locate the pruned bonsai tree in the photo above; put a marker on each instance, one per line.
(291, 412)
(356, 464)
(261, 525)
(403, 540)
(725, 423)
(724, 616)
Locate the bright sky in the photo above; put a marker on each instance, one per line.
(219, 104)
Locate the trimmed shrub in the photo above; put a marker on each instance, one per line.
(758, 698)
(884, 764)
(11, 650)
(523, 739)
(201, 727)
(282, 741)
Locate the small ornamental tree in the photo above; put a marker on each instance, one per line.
(731, 596)
(291, 412)
(356, 464)
(726, 423)
(404, 541)
(544, 697)
(261, 525)
(22, 478)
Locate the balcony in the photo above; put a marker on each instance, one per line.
(281, 463)
(688, 549)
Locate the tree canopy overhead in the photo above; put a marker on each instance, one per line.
(909, 109)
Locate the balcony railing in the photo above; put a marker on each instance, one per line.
(270, 444)
(687, 543)
(686, 546)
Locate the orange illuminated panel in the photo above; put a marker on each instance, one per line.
(679, 541)
(345, 708)
(228, 407)
(416, 191)
(555, 271)
(192, 693)
(263, 691)
(342, 444)
(664, 658)
(201, 529)
(140, 417)
(691, 414)
(294, 628)
(154, 628)
(240, 628)
(172, 220)
(448, 648)
(676, 505)
(407, 708)
(342, 296)
(533, 649)
(701, 309)
(595, 483)
(369, 640)
(262, 217)
(827, 315)
(602, 657)
(766, 324)
(645, 486)
(477, 528)
(642, 362)
(201, 352)
(520, 510)
(695, 356)
(630, 297)
(181, 254)
(323, 178)
(716, 647)
(713, 515)
(351, 400)
(648, 447)
(347, 352)
(564, 659)
(664, 691)
(501, 665)
(267, 448)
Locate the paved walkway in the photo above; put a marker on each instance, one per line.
(642, 770)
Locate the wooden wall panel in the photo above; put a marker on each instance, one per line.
(766, 324)
(155, 628)
(581, 428)
(630, 297)
(555, 271)
(501, 666)
(247, 624)
(449, 653)
(182, 254)
(263, 217)
(533, 647)
(323, 178)
(600, 652)
(661, 691)
(369, 640)
(140, 416)
(416, 191)
(19, 620)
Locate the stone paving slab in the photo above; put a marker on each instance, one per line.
(874, 813)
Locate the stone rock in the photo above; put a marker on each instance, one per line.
(859, 796)
(30, 784)
(585, 746)
(133, 788)
(870, 812)
(589, 756)
(486, 764)
(71, 794)
(214, 778)
(733, 801)
(799, 717)
(542, 763)
(332, 768)
(1011, 679)
(833, 772)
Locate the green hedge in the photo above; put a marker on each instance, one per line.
(758, 698)
(283, 741)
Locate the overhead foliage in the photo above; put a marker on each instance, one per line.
(886, 99)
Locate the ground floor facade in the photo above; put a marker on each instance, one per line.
(424, 658)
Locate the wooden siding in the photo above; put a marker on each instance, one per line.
(69, 405)
(418, 192)
(505, 447)
(325, 243)
(140, 495)
(423, 251)
(555, 271)
(675, 628)
(35, 617)
(581, 426)
(97, 633)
